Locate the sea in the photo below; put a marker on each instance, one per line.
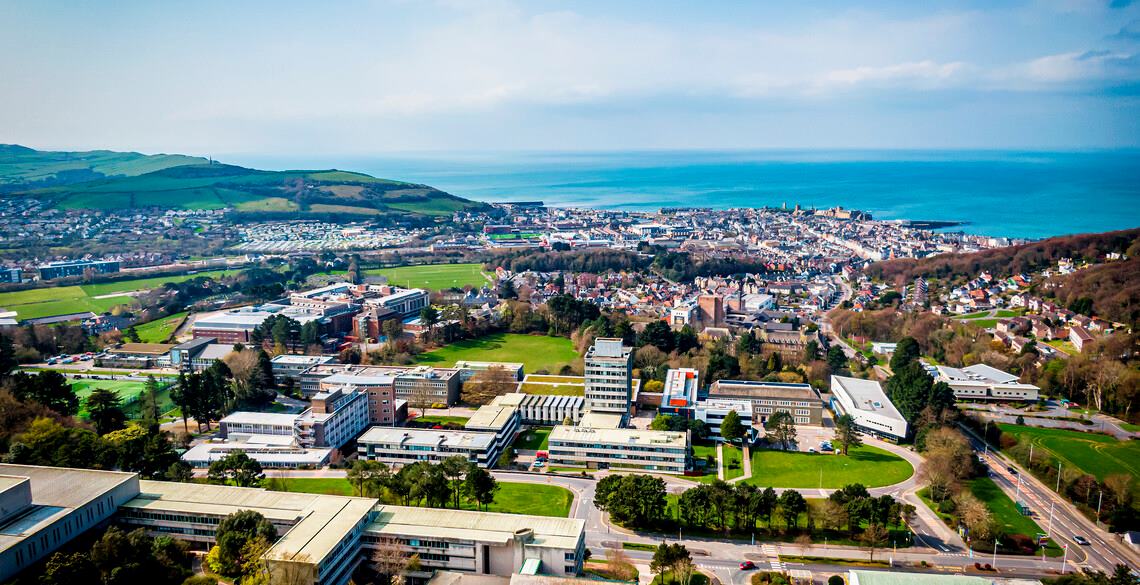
(1016, 194)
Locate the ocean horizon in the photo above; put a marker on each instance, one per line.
(1011, 193)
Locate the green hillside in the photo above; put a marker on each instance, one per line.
(25, 167)
(199, 184)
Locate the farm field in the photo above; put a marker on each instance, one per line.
(433, 276)
(1097, 455)
(512, 497)
(105, 288)
(870, 466)
(535, 352)
(160, 330)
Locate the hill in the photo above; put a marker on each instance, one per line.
(25, 168)
(1009, 260)
(1111, 289)
(200, 184)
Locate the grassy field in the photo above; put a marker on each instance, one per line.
(128, 390)
(1003, 509)
(21, 164)
(535, 439)
(433, 276)
(1098, 455)
(535, 352)
(869, 466)
(161, 330)
(61, 300)
(512, 497)
(553, 389)
(733, 456)
(1064, 345)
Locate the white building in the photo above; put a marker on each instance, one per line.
(401, 446)
(713, 410)
(544, 409)
(865, 401)
(609, 375)
(333, 419)
(291, 366)
(604, 448)
(468, 368)
(982, 382)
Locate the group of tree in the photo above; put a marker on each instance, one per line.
(912, 390)
(680, 424)
(242, 539)
(589, 260)
(117, 558)
(1121, 575)
(486, 385)
(781, 430)
(673, 564)
(447, 484)
(636, 501)
(685, 266)
(281, 333)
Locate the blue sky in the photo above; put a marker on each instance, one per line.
(382, 76)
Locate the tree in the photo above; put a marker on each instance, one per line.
(484, 386)
(836, 359)
(454, 468)
(104, 409)
(393, 329)
(633, 500)
(49, 388)
(792, 504)
(731, 428)
(480, 486)
(912, 390)
(906, 353)
(367, 476)
(948, 459)
(874, 537)
(846, 434)
(421, 395)
(659, 335)
(67, 569)
(8, 361)
(429, 317)
(781, 426)
(236, 468)
(234, 533)
(811, 350)
(149, 410)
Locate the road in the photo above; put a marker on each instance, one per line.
(1057, 516)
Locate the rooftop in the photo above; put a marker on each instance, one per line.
(900, 578)
(620, 436)
(866, 395)
(480, 526)
(427, 438)
(750, 389)
(260, 418)
(601, 420)
(491, 417)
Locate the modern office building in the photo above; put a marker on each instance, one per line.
(66, 268)
(270, 451)
(982, 382)
(598, 448)
(332, 419)
(407, 302)
(11, 275)
(680, 391)
(321, 538)
(767, 398)
(609, 375)
(291, 366)
(501, 420)
(440, 384)
(257, 423)
(872, 411)
(712, 411)
(43, 508)
(401, 446)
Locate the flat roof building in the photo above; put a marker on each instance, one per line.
(865, 401)
(401, 446)
(287, 365)
(680, 391)
(544, 409)
(767, 398)
(594, 448)
(982, 382)
(468, 368)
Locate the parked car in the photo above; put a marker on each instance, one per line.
(1081, 540)
(747, 566)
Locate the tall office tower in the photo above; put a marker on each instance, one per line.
(609, 376)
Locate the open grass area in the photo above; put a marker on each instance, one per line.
(1005, 512)
(64, 300)
(128, 390)
(433, 419)
(133, 284)
(160, 330)
(976, 315)
(512, 498)
(870, 466)
(1063, 345)
(553, 389)
(1095, 454)
(733, 462)
(433, 276)
(1130, 427)
(535, 352)
(536, 439)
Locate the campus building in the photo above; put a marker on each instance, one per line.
(401, 446)
(680, 390)
(713, 410)
(43, 508)
(609, 374)
(66, 268)
(332, 419)
(291, 366)
(322, 538)
(544, 409)
(606, 448)
(767, 398)
(501, 420)
(982, 382)
(440, 385)
(872, 411)
(467, 368)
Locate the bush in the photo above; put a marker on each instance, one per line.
(770, 578)
(835, 580)
(200, 580)
(1007, 441)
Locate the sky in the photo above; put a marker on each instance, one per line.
(360, 77)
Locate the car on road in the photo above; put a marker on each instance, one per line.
(1011, 470)
(747, 566)
(538, 464)
(1081, 540)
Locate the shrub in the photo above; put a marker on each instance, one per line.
(200, 580)
(835, 580)
(1007, 441)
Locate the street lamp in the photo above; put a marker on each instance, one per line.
(995, 553)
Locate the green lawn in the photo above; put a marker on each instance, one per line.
(1130, 427)
(1005, 512)
(985, 323)
(867, 465)
(512, 498)
(639, 546)
(441, 419)
(433, 276)
(535, 352)
(536, 439)
(554, 389)
(974, 315)
(128, 390)
(1005, 313)
(62, 300)
(106, 288)
(1064, 345)
(733, 456)
(161, 330)
(1098, 455)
